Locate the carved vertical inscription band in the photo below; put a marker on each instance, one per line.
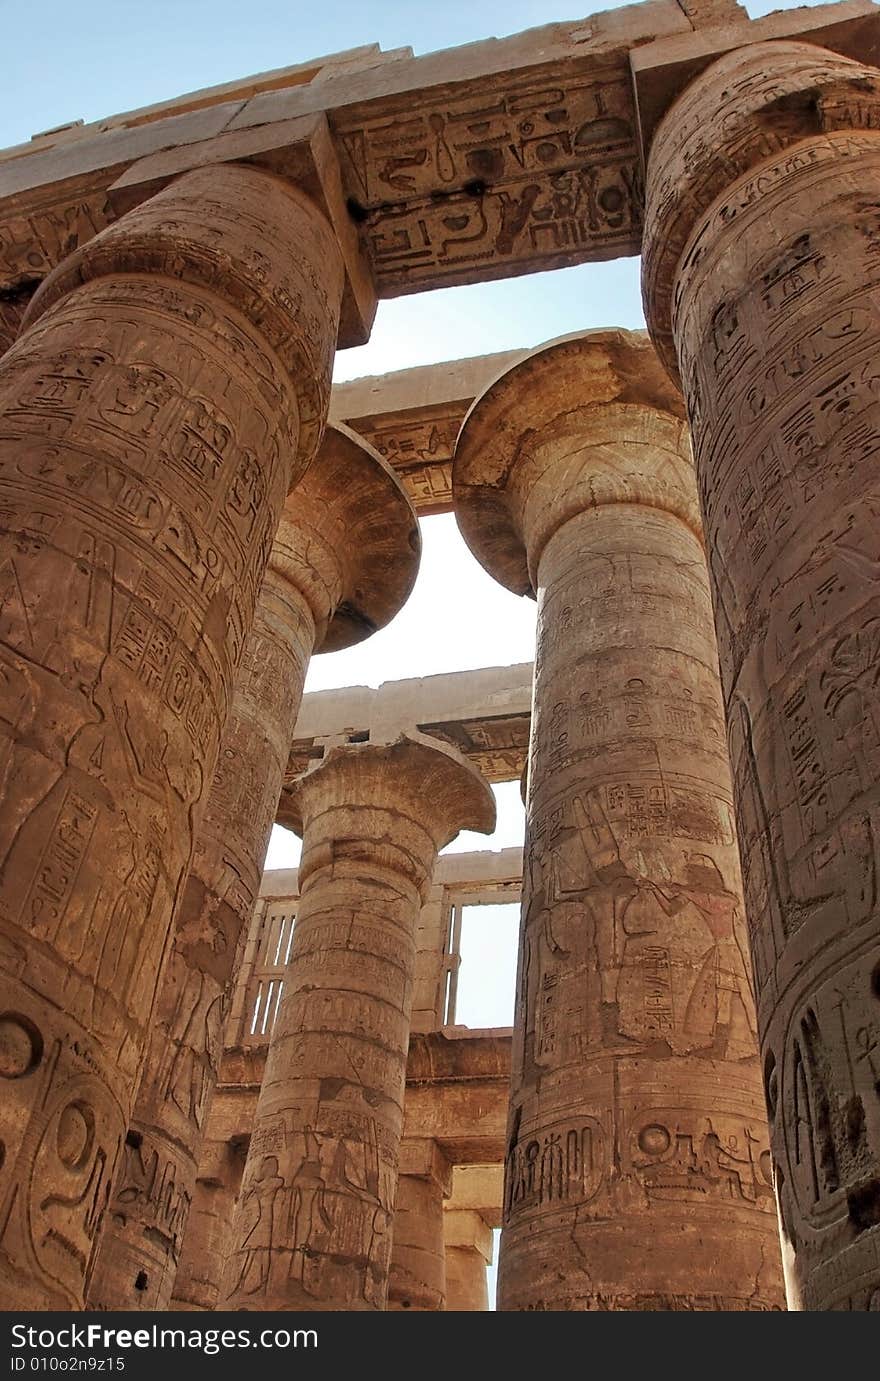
(762, 290)
(637, 1174)
(153, 413)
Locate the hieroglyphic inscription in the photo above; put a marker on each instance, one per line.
(147, 433)
(312, 1226)
(139, 1250)
(633, 976)
(777, 334)
(490, 180)
(419, 445)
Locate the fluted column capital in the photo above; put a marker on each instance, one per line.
(348, 541)
(748, 106)
(587, 420)
(256, 241)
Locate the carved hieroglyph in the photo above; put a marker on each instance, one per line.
(312, 1227)
(638, 1172)
(344, 560)
(763, 265)
(171, 378)
(417, 1270)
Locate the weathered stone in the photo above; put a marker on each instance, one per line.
(197, 1282)
(153, 412)
(343, 562)
(312, 1225)
(468, 1246)
(761, 281)
(638, 1172)
(417, 1270)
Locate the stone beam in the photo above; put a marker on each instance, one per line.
(457, 1090)
(495, 159)
(478, 1189)
(468, 872)
(484, 713)
(413, 416)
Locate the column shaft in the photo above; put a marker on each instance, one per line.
(635, 1075)
(468, 1246)
(417, 1270)
(205, 1243)
(152, 414)
(638, 1173)
(312, 1227)
(762, 267)
(344, 558)
(139, 1247)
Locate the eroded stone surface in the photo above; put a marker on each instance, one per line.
(417, 1270)
(152, 415)
(763, 267)
(638, 1173)
(468, 1247)
(313, 1224)
(344, 559)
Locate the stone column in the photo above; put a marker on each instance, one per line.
(197, 1282)
(638, 1173)
(762, 290)
(417, 1270)
(343, 562)
(312, 1227)
(170, 382)
(468, 1244)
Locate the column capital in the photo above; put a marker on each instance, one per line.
(749, 106)
(348, 540)
(586, 420)
(203, 229)
(415, 779)
(423, 1158)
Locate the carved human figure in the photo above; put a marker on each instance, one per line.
(760, 277)
(157, 378)
(343, 562)
(573, 479)
(373, 817)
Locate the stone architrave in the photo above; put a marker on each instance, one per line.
(468, 1245)
(417, 1270)
(172, 377)
(638, 1173)
(762, 293)
(312, 1227)
(343, 562)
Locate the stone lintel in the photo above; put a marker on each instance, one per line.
(456, 1094)
(412, 418)
(472, 871)
(485, 714)
(464, 1227)
(487, 161)
(662, 69)
(478, 1189)
(422, 1157)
